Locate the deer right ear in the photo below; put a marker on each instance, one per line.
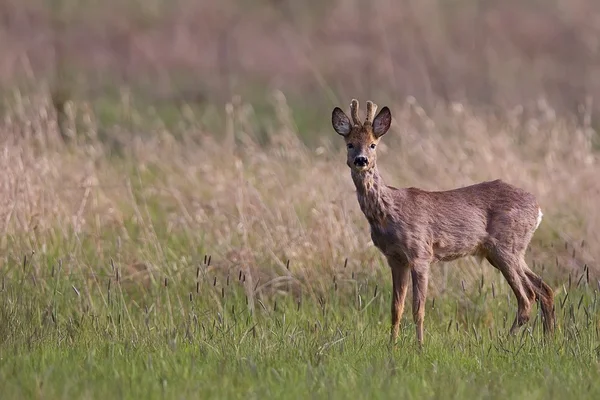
(341, 123)
(382, 122)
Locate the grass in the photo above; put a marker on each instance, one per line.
(215, 264)
(191, 334)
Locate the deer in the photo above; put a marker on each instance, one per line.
(415, 228)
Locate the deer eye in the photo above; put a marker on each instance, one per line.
(350, 145)
(373, 145)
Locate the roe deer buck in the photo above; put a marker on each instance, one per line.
(414, 228)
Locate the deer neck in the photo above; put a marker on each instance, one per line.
(373, 195)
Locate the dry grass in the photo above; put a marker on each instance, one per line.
(165, 202)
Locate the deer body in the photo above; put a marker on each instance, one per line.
(414, 228)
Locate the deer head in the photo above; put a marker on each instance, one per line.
(361, 137)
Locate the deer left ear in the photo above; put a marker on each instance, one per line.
(341, 123)
(382, 122)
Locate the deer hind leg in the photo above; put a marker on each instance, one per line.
(510, 267)
(420, 278)
(400, 273)
(543, 294)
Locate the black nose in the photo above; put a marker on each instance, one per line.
(361, 161)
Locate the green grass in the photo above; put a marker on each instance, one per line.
(70, 333)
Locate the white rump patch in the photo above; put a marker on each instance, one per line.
(539, 218)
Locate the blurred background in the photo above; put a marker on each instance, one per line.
(486, 53)
(209, 122)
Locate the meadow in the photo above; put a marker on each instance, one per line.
(222, 254)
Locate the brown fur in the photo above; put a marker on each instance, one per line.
(414, 228)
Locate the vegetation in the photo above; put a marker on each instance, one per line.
(68, 335)
(186, 263)
(502, 53)
(177, 219)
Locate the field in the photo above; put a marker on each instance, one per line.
(177, 219)
(192, 263)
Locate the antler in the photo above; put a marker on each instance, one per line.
(371, 108)
(354, 112)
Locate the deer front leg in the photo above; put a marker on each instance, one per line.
(420, 279)
(400, 274)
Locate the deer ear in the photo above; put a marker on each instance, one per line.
(382, 122)
(341, 123)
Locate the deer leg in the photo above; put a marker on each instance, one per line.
(543, 293)
(527, 284)
(420, 278)
(510, 268)
(400, 287)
